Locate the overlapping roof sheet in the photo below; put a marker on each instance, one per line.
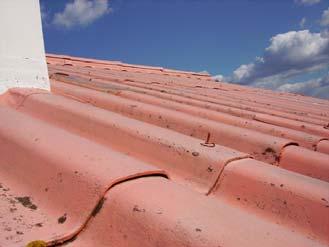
(127, 155)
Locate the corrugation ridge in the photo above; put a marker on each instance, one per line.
(263, 94)
(287, 144)
(278, 195)
(9, 98)
(282, 150)
(268, 103)
(109, 183)
(169, 117)
(316, 145)
(202, 99)
(61, 112)
(106, 62)
(290, 125)
(270, 93)
(263, 107)
(127, 218)
(141, 81)
(232, 96)
(97, 205)
(278, 102)
(306, 162)
(291, 143)
(323, 148)
(222, 95)
(158, 173)
(303, 138)
(217, 182)
(198, 96)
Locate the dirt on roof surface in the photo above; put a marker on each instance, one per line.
(129, 155)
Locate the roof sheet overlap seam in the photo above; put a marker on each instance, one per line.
(216, 184)
(99, 205)
(282, 150)
(289, 200)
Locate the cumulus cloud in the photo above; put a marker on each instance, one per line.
(307, 2)
(81, 13)
(317, 87)
(289, 54)
(325, 18)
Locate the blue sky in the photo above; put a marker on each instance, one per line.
(218, 36)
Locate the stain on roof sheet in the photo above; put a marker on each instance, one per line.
(129, 155)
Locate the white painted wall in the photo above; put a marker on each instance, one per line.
(22, 53)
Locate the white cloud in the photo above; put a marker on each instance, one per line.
(317, 87)
(302, 22)
(295, 46)
(325, 18)
(289, 54)
(307, 2)
(81, 13)
(244, 71)
(218, 78)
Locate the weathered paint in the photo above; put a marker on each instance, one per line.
(106, 159)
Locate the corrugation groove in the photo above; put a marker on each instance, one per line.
(88, 163)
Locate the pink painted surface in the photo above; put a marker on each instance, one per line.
(174, 103)
(281, 196)
(131, 155)
(307, 162)
(263, 147)
(186, 159)
(323, 147)
(130, 219)
(52, 180)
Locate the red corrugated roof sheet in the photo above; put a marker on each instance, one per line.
(126, 155)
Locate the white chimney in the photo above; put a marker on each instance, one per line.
(22, 53)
